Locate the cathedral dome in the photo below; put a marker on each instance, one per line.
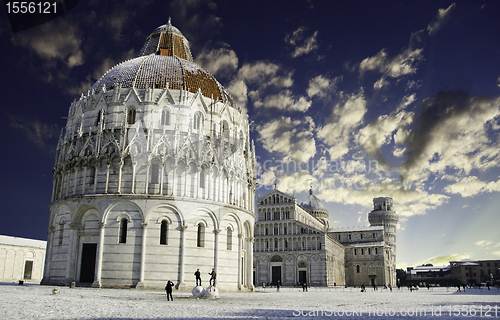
(165, 61)
(314, 203)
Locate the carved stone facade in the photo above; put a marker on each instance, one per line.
(293, 244)
(154, 178)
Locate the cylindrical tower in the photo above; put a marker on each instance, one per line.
(154, 177)
(383, 215)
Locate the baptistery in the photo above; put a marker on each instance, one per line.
(154, 178)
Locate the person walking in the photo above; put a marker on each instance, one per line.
(198, 277)
(168, 289)
(213, 275)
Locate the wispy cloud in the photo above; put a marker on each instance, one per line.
(57, 40)
(36, 131)
(221, 61)
(445, 260)
(441, 18)
(302, 44)
(291, 138)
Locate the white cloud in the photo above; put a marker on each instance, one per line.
(321, 86)
(264, 79)
(470, 186)
(285, 101)
(452, 132)
(222, 61)
(58, 39)
(445, 260)
(302, 45)
(37, 132)
(291, 138)
(346, 117)
(441, 18)
(402, 64)
(483, 243)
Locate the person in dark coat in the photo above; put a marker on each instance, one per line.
(213, 275)
(198, 277)
(168, 289)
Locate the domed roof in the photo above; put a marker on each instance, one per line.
(314, 203)
(165, 61)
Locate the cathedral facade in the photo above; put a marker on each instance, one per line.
(154, 178)
(294, 244)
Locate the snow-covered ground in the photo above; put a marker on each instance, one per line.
(38, 302)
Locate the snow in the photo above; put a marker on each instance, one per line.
(38, 302)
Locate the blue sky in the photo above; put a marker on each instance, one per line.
(359, 99)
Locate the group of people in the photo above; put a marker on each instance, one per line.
(197, 274)
(213, 276)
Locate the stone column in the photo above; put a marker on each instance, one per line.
(134, 165)
(240, 248)
(72, 250)
(148, 165)
(48, 255)
(76, 179)
(97, 167)
(120, 171)
(69, 180)
(108, 165)
(100, 247)
(140, 284)
(162, 177)
(174, 184)
(182, 255)
(216, 249)
(84, 180)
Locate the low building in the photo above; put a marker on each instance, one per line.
(429, 275)
(475, 271)
(21, 259)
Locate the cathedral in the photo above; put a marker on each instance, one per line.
(294, 244)
(154, 177)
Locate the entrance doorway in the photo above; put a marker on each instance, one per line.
(276, 275)
(28, 269)
(302, 276)
(87, 265)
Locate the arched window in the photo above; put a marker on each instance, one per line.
(202, 178)
(225, 129)
(61, 232)
(201, 236)
(123, 231)
(131, 116)
(229, 239)
(164, 232)
(165, 117)
(154, 172)
(99, 117)
(197, 121)
(357, 268)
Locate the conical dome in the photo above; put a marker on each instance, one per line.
(167, 40)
